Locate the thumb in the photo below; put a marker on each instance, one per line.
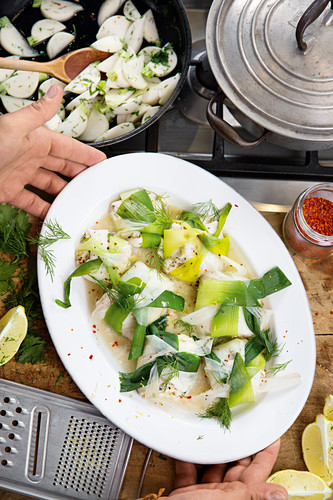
(265, 491)
(39, 112)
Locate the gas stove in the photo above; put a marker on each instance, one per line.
(267, 175)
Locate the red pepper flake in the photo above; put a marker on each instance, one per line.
(188, 397)
(316, 314)
(236, 205)
(94, 326)
(322, 349)
(331, 312)
(115, 344)
(69, 354)
(318, 213)
(91, 356)
(119, 400)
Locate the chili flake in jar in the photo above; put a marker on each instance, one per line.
(308, 227)
(318, 213)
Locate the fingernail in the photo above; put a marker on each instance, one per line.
(52, 92)
(276, 495)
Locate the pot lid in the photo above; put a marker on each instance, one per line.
(254, 55)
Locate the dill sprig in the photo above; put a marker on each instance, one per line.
(275, 348)
(53, 233)
(185, 327)
(171, 370)
(219, 411)
(163, 216)
(112, 293)
(278, 368)
(155, 260)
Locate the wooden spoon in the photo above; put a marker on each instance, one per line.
(64, 68)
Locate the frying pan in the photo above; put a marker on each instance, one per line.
(170, 18)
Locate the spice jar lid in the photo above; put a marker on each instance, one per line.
(256, 60)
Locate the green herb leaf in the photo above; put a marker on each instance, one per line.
(31, 350)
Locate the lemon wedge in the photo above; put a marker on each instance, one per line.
(13, 329)
(328, 408)
(317, 447)
(301, 485)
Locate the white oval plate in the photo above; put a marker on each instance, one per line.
(175, 433)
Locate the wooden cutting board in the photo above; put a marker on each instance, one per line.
(317, 277)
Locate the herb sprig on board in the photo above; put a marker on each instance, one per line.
(18, 276)
(53, 233)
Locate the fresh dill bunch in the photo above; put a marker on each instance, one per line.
(219, 411)
(14, 228)
(185, 327)
(278, 368)
(53, 233)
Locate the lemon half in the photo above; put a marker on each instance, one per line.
(301, 485)
(317, 447)
(13, 329)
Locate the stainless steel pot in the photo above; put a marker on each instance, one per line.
(171, 20)
(275, 79)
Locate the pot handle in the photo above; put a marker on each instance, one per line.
(225, 130)
(310, 15)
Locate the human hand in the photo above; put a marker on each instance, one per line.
(32, 154)
(241, 480)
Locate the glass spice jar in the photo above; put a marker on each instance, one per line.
(308, 227)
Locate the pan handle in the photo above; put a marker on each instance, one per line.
(225, 130)
(310, 15)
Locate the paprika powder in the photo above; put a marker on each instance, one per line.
(308, 227)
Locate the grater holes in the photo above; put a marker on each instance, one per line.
(85, 452)
(3, 413)
(11, 436)
(4, 462)
(15, 423)
(8, 449)
(18, 409)
(6, 399)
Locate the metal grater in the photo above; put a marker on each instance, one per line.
(55, 447)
